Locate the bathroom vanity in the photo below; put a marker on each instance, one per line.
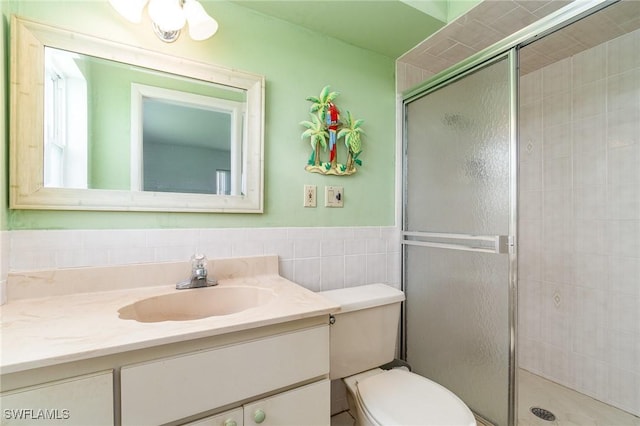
(72, 356)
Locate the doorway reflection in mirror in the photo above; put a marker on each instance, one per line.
(185, 139)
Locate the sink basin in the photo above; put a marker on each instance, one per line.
(192, 304)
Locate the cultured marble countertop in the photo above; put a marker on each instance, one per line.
(39, 332)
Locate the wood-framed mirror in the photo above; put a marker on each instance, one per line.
(98, 125)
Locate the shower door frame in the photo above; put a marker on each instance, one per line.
(501, 245)
(508, 47)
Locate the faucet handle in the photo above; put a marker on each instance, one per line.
(199, 274)
(198, 262)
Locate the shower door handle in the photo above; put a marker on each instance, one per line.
(496, 244)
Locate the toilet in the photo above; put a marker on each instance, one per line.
(363, 336)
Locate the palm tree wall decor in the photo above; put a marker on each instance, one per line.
(325, 129)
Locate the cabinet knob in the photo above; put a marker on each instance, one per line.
(259, 416)
(230, 422)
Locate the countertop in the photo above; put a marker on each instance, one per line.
(40, 332)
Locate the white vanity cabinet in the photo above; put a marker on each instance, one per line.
(307, 405)
(81, 401)
(278, 366)
(228, 418)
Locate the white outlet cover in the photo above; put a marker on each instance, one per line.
(309, 196)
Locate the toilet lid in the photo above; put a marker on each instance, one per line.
(398, 397)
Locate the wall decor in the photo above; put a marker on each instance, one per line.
(325, 129)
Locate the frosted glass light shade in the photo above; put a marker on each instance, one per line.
(201, 25)
(131, 10)
(167, 14)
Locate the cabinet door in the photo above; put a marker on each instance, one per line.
(171, 389)
(307, 405)
(228, 418)
(81, 401)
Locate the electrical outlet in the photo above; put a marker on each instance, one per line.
(333, 196)
(309, 195)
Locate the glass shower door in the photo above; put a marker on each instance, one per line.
(458, 237)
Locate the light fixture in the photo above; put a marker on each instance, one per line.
(201, 25)
(169, 17)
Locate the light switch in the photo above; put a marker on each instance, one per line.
(333, 196)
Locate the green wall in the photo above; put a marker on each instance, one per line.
(109, 93)
(457, 8)
(109, 99)
(296, 63)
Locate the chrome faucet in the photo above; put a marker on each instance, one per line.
(199, 274)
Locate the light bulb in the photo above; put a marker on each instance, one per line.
(201, 25)
(167, 14)
(131, 10)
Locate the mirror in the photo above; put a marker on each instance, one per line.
(97, 125)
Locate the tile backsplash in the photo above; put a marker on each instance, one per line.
(317, 258)
(4, 265)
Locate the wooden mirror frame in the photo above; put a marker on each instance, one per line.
(27, 191)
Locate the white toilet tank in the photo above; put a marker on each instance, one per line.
(365, 331)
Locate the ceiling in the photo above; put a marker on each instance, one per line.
(175, 124)
(388, 27)
(494, 20)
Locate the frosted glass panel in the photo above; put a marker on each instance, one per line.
(457, 166)
(458, 325)
(458, 142)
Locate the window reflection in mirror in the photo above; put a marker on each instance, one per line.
(65, 121)
(110, 125)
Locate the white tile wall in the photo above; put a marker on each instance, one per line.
(317, 258)
(579, 258)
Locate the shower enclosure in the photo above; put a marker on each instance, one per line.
(521, 216)
(458, 235)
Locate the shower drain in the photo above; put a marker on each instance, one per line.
(543, 414)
